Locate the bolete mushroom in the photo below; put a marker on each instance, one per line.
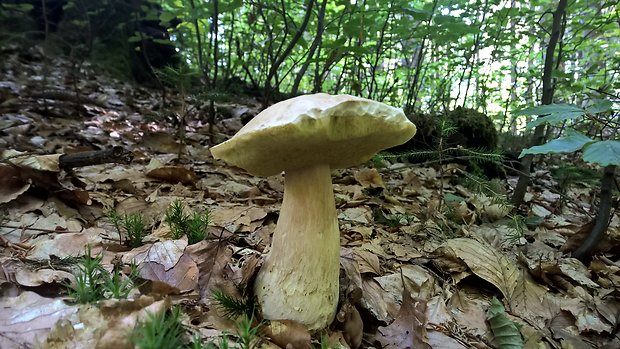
(307, 137)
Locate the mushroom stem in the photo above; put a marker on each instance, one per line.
(299, 278)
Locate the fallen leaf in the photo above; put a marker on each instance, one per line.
(369, 177)
(487, 263)
(286, 333)
(408, 330)
(28, 318)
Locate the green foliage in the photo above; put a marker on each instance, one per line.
(518, 225)
(181, 77)
(247, 334)
(567, 174)
(193, 226)
(463, 135)
(602, 152)
(505, 332)
(131, 226)
(421, 55)
(93, 283)
(492, 188)
(118, 285)
(160, 330)
(232, 307)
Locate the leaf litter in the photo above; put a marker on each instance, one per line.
(418, 270)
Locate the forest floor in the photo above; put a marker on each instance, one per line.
(427, 255)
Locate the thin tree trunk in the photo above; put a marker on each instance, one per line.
(229, 69)
(378, 53)
(281, 57)
(602, 217)
(214, 34)
(315, 43)
(203, 69)
(412, 96)
(547, 98)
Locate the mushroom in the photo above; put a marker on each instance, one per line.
(307, 137)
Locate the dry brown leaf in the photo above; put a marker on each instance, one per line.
(374, 300)
(30, 278)
(487, 263)
(586, 318)
(161, 142)
(360, 214)
(66, 245)
(116, 336)
(212, 259)
(183, 275)
(288, 333)
(28, 318)
(438, 312)
(35, 162)
(469, 312)
(439, 340)
(12, 185)
(174, 174)
(368, 262)
(369, 177)
(353, 326)
(574, 269)
(408, 331)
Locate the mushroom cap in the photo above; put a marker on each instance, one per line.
(340, 131)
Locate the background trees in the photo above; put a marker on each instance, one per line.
(422, 55)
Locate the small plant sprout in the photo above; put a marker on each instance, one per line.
(93, 283)
(230, 306)
(160, 330)
(117, 285)
(87, 287)
(131, 226)
(247, 334)
(193, 226)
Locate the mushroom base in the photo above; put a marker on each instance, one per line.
(299, 278)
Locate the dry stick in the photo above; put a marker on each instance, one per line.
(114, 154)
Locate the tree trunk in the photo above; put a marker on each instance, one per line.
(279, 59)
(547, 98)
(214, 33)
(602, 217)
(203, 69)
(315, 43)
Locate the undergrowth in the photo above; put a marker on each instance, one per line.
(131, 227)
(93, 283)
(193, 226)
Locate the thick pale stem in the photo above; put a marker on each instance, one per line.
(299, 279)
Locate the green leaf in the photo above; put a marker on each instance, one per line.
(166, 17)
(600, 107)
(603, 153)
(505, 332)
(548, 109)
(231, 6)
(569, 143)
(453, 198)
(417, 14)
(555, 113)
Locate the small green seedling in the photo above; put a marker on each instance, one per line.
(232, 307)
(87, 288)
(132, 226)
(193, 226)
(93, 283)
(162, 330)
